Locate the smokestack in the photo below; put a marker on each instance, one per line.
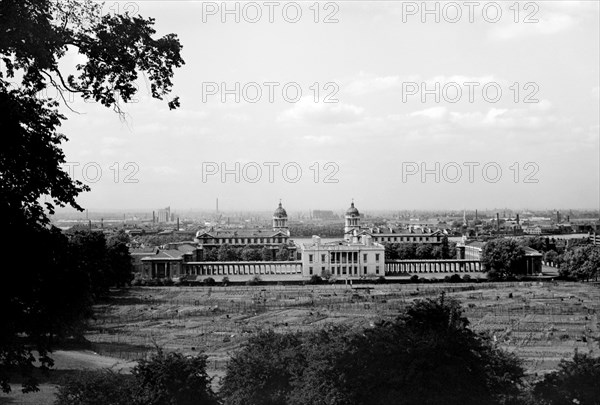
(153, 217)
(90, 224)
(177, 223)
(498, 221)
(475, 215)
(518, 220)
(217, 205)
(558, 217)
(101, 223)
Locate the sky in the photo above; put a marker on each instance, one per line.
(496, 104)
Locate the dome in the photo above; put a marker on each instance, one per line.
(352, 210)
(280, 212)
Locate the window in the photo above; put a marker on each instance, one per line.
(344, 270)
(310, 270)
(365, 270)
(365, 257)
(377, 257)
(322, 269)
(376, 269)
(310, 258)
(323, 258)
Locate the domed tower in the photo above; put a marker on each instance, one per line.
(352, 221)
(280, 219)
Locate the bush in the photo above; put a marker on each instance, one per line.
(381, 280)
(315, 279)
(414, 279)
(225, 281)
(256, 280)
(167, 282)
(96, 387)
(209, 281)
(466, 278)
(455, 278)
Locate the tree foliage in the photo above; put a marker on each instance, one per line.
(575, 382)
(581, 263)
(503, 257)
(164, 379)
(428, 355)
(35, 36)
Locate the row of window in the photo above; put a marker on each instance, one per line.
(339, 257)
(407, 238)
(241, 241)
(344, 270)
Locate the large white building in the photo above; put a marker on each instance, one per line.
(360, 257)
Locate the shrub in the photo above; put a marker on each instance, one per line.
(315, 279)
(256, 280)
(466, 278)
(167, 282)
(209, 281)
(381, 280)
(225, 281)
(95, 387)
(455, 278)
(414, 279)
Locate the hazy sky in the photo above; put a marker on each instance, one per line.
(378, 66)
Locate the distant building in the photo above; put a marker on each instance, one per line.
(164, 215)
(353, 229)
(279, 234)
(357, 258)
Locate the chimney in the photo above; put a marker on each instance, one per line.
(558, 217)
(101, 223)
(518, 220)
(475, 215)
(153, 217)
(90, 224)
(177, 223)
(498, 221)
(217, 205)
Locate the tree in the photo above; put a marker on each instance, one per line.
(581, 263)
(575, 382)
(164, 379)
(424, 251)
(250, 254)
(261, 373)
(173, 379)
(119, 259)
(407, 251)
(34, 37)
(428, 355)
(503, 257)
(226, 253)
(283, 254)
(267, 254)
(96, 388)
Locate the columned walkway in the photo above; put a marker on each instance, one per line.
(242, 268)
(399, 267)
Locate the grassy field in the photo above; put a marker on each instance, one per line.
(541, 322)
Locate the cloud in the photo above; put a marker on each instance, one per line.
(432, 113)
(547, 24)
(309, 112)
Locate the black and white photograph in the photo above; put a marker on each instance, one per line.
(300, 202)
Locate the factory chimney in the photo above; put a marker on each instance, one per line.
(498, 221)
